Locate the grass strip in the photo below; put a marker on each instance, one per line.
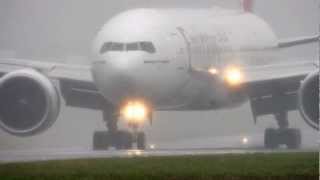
(287, 166)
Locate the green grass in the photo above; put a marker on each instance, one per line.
(236, 167)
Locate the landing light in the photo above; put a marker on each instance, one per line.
(233, 76)
(213, 71)
(135, 112)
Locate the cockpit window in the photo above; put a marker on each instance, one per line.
(117, 47)
(106, 47)
(112, 46)
(134, 46)
(148, 47)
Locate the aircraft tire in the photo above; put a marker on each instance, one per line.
(271, 138)
(293, 138)
(123, 140)
(141, 141)
(101, 140)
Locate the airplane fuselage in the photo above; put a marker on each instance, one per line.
(158, 55)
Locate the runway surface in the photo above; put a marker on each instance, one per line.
(67, 154)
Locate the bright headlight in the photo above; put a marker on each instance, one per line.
(135, 112)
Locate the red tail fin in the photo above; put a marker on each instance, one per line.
(247, 5)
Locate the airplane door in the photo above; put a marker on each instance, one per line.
(187, 47)
(181, 54)
(196, 48)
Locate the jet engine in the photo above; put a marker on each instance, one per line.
(29, 102)
(308, 98)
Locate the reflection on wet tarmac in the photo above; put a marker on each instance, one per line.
(62, 154)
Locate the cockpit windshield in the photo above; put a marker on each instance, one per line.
(117, 47)
(148, 47)
(133, 46)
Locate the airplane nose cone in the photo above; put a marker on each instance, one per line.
(124, 63)
(118, 78)
(125, 77)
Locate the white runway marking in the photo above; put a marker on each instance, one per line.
(68, 154)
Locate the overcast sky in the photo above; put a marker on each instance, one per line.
(62, 28)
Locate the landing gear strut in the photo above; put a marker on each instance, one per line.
(284, 135)
(119, 139)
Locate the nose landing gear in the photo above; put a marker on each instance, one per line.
(119, 139)
(138, 137)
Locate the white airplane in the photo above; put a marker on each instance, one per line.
(150, 60)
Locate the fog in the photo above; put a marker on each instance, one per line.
(63, 31)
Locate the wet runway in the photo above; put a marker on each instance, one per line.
(64, 154)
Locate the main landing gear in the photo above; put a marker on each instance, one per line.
(119, 139)
(284, 135)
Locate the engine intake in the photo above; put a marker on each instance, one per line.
(29, 103)
(309, 100)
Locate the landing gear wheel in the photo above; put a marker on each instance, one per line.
(289, 137)
(141, 141)
(270, 138)
(293, 138)
(101, 140)
(123, 140)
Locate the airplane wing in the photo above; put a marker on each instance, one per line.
(278, 71)
(75, 81)
(53, 70)
(282, 81)
(274, 88)
(297, 41)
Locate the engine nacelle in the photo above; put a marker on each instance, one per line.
(309, 100)
(29, 102)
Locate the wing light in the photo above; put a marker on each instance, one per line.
(213, 71)
(233, 76)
